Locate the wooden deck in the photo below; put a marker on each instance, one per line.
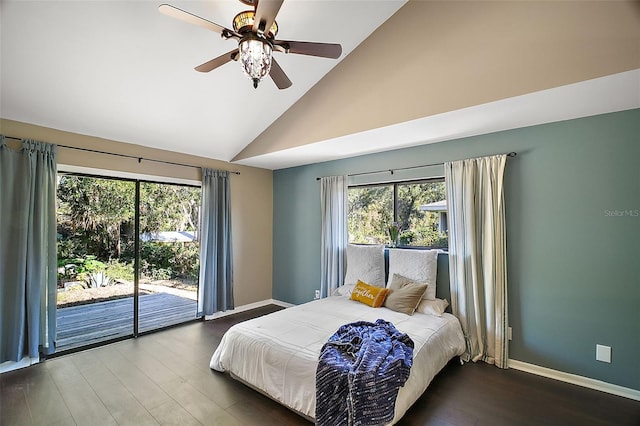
(96, 322)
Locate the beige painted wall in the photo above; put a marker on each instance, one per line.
(251, 195)
(438, 56)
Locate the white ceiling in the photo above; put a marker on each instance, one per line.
(121, 70)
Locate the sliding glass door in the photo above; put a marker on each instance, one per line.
(127, 258)
(169, 254)
(95, 260)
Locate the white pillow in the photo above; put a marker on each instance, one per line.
(343, 290)
(365, 263)
(432, 307)
(417, 265)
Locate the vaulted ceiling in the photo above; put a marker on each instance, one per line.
(123, 71)
(414, 73)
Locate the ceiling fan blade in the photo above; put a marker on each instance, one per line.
(185, 16)
(323, 50)
(278, 76)
(216, 62)
(265, 14)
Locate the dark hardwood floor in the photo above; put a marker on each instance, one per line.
(164, 378)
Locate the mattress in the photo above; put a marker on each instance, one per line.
(278, 353)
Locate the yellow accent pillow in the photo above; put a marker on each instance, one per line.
(369, 294)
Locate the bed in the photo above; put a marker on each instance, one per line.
(277, 354)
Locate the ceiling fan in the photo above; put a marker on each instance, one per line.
(255, 31)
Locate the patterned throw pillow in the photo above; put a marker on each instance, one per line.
(365, 262)
(369, 294)
(418, 265)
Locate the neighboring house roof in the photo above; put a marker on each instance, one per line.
(438, 206)
(169, 236)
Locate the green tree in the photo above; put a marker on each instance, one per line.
(422, 226)
(96, 218)
(92, 211)
(371, 212)
(169, 207)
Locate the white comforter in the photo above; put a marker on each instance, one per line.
(278, 353)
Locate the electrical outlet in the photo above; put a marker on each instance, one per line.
(603, 353)
(509, 333)
(317, 294)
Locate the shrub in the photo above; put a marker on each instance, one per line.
(78, 268)
(172, 260)
(407, 237)
(120, 270)
(433, 239)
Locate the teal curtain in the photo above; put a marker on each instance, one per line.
(333, 241)
(215, 288)
(27, 250)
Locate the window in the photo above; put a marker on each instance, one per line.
(417, 207)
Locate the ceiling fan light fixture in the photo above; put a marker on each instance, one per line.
(255, 32)
(243, 22)
(255, 57)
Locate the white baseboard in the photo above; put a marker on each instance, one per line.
(575, 379)
(247, 308)
(281, 303)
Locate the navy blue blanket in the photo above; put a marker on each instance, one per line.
(360, 370)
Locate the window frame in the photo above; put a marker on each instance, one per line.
(395, 185)
(137, 180)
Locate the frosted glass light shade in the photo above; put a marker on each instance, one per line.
(255, 58)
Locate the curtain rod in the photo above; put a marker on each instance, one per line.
(235, 172)
(511, 154)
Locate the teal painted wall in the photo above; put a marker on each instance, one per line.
(573, 236)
